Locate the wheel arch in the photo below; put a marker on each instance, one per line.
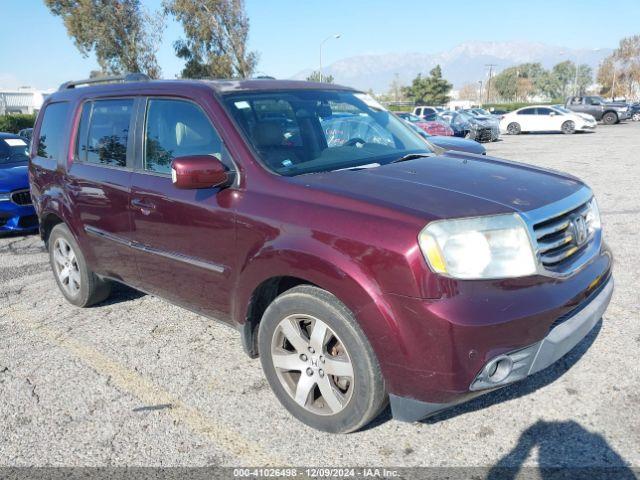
(273, 271)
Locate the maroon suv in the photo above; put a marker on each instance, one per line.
(359, 265)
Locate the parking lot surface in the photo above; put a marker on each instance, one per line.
(137, 381)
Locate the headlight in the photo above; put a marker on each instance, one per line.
(5, 197)
(479, 248)
(592, 217)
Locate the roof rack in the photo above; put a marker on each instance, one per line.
(129, 77)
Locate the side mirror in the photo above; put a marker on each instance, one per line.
(198, 171)
(552, 114)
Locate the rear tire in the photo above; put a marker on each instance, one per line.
(514, 128)
(568, 127)
(79, 285)
(318, 361)
(610, 118)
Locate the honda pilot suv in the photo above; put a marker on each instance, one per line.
(360, 266)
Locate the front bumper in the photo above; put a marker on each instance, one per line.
(17, 218)
(564, 335)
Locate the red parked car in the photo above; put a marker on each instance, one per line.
(357, 264)
(432, 127)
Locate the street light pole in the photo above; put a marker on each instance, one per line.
(336, 36)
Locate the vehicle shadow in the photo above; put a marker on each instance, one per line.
(121, 293)
(565, 450)
(517, 390)
(526, 386)
(12, 234)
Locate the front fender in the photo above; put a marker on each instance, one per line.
(317, 263)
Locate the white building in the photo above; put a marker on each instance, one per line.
(23, 100)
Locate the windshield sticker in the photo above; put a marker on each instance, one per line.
(15, 142)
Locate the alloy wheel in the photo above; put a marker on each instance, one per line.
(312, 364)
(568, 127)
(66, 266)
(513, 129)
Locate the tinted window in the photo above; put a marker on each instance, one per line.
(13, 150)
(527, 111)
(52, 130)
(104, 132)
(321, 130)
(177, 128)
(544, 111)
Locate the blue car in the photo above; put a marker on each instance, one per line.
(16, 211)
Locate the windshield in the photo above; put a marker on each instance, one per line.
(561, 109)
(411, 117)
(306, 131)
(13, 150)
(456, 118)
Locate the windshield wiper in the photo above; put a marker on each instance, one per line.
(411, 156)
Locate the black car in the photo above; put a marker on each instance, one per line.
(634, 111)
(466, 126)
(450, 143)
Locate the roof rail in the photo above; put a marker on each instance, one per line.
(129, 77)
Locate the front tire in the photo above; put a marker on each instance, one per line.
(609, 118)
(318, 361)
(568, 127)
(513, 128)
(79, 285)
(636, 117)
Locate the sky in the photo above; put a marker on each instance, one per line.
(36, 51)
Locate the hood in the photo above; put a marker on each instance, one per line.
(448, 186)
(13, 176)
(460, 144)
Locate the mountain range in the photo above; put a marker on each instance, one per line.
(465, 63)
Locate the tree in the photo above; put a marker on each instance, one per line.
(216, 38)
(315, 77)
(469, 91)
(123, 36)
(585, 78)
(619, 74)
(432, 90)
(519, 82)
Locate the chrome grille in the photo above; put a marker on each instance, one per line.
(21, 197)
(560, 237)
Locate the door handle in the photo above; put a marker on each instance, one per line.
(145, 207)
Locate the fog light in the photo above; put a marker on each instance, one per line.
(499, 369)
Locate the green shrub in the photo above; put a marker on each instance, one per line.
(15, 123)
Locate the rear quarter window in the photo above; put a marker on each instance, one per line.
(52, 133)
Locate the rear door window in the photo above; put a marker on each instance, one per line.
(177, 128)
(527, 111)
(103, 133)
(52, 131)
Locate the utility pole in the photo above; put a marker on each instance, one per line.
(336, 36)
(480, 93)
(490, 66)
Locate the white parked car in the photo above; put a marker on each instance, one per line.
(544, 118)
